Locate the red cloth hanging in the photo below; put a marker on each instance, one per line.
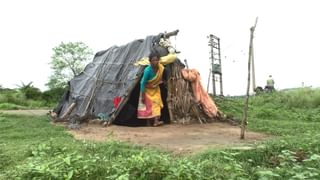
(116, 101)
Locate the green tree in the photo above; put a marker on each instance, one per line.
(68, 60)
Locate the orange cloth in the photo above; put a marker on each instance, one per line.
(200, 94)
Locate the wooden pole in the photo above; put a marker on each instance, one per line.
(208, 81)
(69, 110)
(245, 109)
(253, 71)
(169, 98)
(186, 63)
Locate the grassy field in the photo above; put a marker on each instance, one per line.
(31, 148)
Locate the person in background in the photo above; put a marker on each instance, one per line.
(270, 84)
(150, 102)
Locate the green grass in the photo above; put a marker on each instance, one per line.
(32, 148)
(19, 133)
(10, 106)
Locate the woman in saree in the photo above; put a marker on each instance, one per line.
(150, 102)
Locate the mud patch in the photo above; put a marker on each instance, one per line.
(175, 138)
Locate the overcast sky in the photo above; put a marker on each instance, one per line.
(285, 45)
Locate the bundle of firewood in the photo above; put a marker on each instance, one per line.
(182, 106)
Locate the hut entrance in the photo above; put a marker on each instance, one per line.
(128, 114)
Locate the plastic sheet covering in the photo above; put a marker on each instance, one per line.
(111, 74)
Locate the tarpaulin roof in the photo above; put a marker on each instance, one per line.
(111, 74)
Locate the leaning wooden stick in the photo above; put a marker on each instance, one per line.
(245, 111)
(69, 110)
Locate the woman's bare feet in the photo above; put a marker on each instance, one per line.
(157, 122)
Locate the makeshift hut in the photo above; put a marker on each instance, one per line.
(108, 88)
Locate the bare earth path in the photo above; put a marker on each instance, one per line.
(174, 137)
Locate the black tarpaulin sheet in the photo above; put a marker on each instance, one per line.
(111, 74)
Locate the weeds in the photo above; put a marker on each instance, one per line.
(30, 148)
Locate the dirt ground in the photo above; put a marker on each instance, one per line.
(174, 137)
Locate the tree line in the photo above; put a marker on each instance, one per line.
(68, 60)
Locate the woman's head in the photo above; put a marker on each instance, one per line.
(154, 58)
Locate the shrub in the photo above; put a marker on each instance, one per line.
(32, 93)
(53, 95)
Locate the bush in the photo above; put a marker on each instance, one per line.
(32, 93)
(53, 96)
(304, 98)
(13, 96)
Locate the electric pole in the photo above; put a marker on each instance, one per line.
(215, 56)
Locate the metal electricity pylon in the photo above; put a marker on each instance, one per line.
(215, 56)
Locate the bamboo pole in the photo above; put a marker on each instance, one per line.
(186, 63)
(69, 110)
(245, 109)
(253, 72)
(169, 98)
(208, 81)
